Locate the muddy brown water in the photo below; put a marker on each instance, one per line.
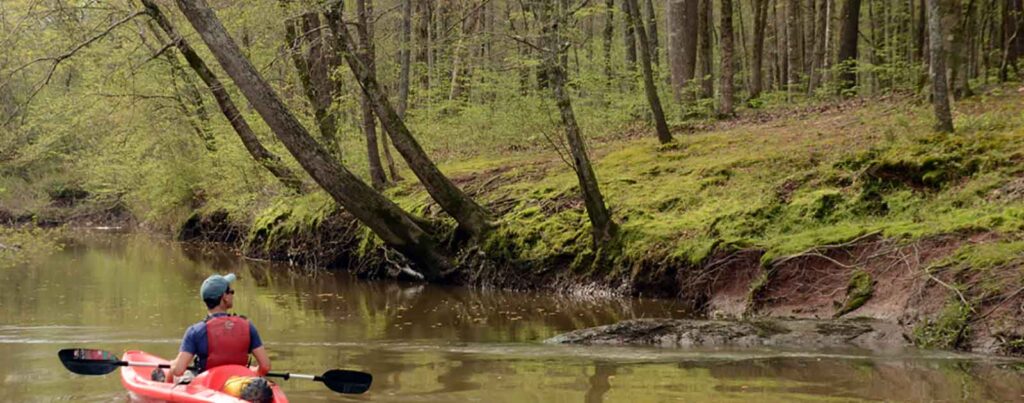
(422, 343)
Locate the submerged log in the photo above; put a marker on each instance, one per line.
(682, 333)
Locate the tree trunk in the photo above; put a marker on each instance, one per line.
(757, 59)
(940, 88)
(424, 16)
(808, 28)
(367, 52)
(604, 228)
(726, 86)
(264, 157)
(793, 44)
(404, 57)
(822, 14)
(629, 39)
(609, 35)
(389, 222)
(682, 44)
(707, 37)
(405, 64)
(645, 65)
(848, 46)
(652, 31)
(920, 33)
(313, 70)
(472, 218)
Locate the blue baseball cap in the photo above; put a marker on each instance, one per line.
(215, 286)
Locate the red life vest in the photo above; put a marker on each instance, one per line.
(227, 338)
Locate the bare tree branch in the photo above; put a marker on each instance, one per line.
(56, 60)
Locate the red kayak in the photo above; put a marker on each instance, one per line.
(204, 388)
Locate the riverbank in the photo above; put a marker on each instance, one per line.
(838, 210)
(851, 209)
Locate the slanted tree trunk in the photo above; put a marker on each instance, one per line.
(473, 219)
(367, 52)
(940, 86)
(848, 46)
(604, 228)
(726, 86)
(645, 65)
(389, 222)
(682, 44)
(264, 157)
(757, 59)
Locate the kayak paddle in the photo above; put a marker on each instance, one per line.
(84, 361)
(338, 380)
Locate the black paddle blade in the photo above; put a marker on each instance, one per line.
(84, 361)
(343, 381)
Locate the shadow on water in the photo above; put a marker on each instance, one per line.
(421, 342)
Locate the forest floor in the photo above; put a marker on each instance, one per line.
(846, 209)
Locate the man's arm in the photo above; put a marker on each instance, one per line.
(179, 365)
(263, 361)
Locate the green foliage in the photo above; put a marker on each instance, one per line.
(947, 331)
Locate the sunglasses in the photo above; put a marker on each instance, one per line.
(229, 291)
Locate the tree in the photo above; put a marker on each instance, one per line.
(940, 86)
(609, 34)
(645, 65)
(848, 39)
(314, 71)
(756, 63)
(264, 157)
(725, 107)
(389, 222)
(705, 23)
(682, 44)
(629, 38)
(652, 30)
(604, 228)
(473, 219)
(793, 51)
(367, 52)
(823, 17)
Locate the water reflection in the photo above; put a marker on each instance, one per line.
(422, 343)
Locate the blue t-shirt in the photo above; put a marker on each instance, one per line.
(195, 341)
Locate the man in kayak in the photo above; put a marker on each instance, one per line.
(221, 338)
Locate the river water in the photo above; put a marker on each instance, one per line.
(422, 343)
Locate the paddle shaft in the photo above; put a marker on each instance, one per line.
(288, 376)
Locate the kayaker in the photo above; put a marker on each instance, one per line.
(221, 338)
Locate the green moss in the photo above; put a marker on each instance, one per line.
(947, 331)
(858, 292)
(290, 216)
